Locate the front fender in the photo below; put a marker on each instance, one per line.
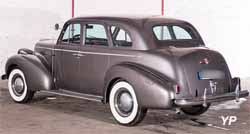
(151, 91)
(37, 75)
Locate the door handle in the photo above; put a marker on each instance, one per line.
(78, 55)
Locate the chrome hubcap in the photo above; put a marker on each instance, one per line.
(124, 102)
(18, 85)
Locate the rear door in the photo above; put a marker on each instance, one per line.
(67, 58)
(94, 61)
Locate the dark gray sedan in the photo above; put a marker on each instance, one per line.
(132, 63)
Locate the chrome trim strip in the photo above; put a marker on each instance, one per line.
(94, 53)
(89, 95)
(97, 99)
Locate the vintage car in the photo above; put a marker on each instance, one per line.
(132, 63)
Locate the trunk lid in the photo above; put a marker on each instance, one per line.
(201, 68)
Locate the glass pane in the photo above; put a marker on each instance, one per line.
(122, 38)
(72, 34)
(112, 29)
(67, 34)
(162, 33)
(96, 31)
(128, 38)
(96, 35)
(76, 30)
(121, 35)
(181, 33)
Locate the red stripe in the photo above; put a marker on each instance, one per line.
(73, 8)
(162, 7)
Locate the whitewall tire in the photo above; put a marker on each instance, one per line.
(18, 88)
(124, 104)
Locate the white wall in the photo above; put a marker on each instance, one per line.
(118, 7)
(223, 24)
(24, 22)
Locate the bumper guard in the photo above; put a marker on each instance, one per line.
(205, 99)
(209, 99)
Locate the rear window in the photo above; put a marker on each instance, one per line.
(181, 33)
(173, 32)
(162, 33)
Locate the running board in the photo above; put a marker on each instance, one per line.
(74, 95)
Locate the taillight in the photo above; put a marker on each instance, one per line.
(177, 89)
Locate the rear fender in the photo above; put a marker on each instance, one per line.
(37, 75)
(151, 91)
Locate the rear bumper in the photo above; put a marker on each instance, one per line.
(211, 99)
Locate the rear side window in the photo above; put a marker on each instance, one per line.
(72, 34)
(120, 37)
(96, 35)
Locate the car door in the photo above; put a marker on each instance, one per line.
(67, 58)
(94, 64)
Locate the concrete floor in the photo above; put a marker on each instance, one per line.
(48, 114)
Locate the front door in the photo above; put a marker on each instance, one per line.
(67, 60)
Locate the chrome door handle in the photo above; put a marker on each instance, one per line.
(78, 55)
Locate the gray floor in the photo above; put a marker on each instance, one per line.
(48, 114)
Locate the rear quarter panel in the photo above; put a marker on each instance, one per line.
(151, 74)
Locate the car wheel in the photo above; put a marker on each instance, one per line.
(18, 88)
(124, 104)
(195, 110)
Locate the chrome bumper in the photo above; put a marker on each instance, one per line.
(212, 98)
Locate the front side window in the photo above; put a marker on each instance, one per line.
(120, 37)
(96, 35)
(173, 32)
(72, 34)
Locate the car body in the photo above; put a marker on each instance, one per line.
(130, 62)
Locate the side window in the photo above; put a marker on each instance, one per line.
(120, 37)
(181, 33)
(96, 35)
(67, 34)
(162, 33)
(72, 34)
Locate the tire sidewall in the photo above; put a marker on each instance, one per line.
(129, 119)
(12, 94)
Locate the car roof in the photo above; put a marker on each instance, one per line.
(139, 26)
(127, 19)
